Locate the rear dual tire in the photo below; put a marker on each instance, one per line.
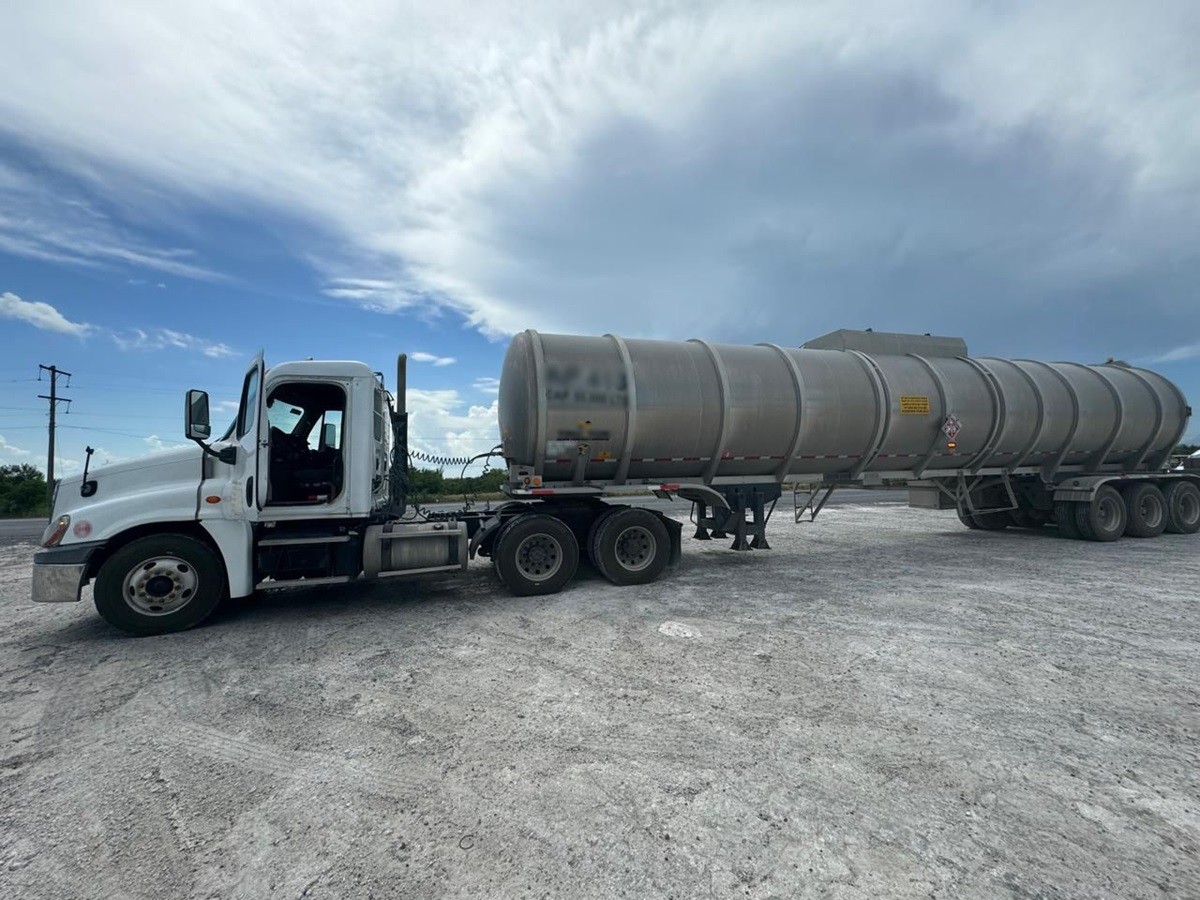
(1104, 518)
(535, 554)
(629, 546)
(1146, 510)
(1182, 499)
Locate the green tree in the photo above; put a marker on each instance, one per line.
(424, 483)
(22, 492)
(1186, 449)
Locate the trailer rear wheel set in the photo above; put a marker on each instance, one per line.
(1139, 508)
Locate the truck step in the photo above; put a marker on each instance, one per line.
(297, 541)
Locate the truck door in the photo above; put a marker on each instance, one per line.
(246, 433)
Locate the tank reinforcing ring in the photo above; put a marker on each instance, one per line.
(539, 557)
(159, 586)
(634, 548)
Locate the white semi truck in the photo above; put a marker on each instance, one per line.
(309, 483)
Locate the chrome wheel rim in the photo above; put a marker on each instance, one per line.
(160, 586)
(634, 548)
(539, 557)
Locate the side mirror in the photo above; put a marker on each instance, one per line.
(196, 411)
(328, 436)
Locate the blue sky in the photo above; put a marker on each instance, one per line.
(180, 187)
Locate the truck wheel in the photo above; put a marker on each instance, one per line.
(993, 521)
(1183, 507)
(1146, 508)
(589, 546)
(535, 554)
(1027, 517)
(159, 584)
(630, 546)
(965, 517)
(1103, 519)
(1064, 515)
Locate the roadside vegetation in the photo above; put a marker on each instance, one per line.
(22, 492)
(431, 485)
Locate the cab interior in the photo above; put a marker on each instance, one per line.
(305, 443)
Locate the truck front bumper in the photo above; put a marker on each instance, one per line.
(59, 572)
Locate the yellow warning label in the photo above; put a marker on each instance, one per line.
(914, 405)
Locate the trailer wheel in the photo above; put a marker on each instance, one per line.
(535, 554)
(159, 584)
(1064, 516)
(1027, 517)
(966, 518)
(1183, 507)
(1146, 508)
(1104, 518)
(630, 546)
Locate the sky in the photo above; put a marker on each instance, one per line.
(182, 185)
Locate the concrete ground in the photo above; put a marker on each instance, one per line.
(884, 705)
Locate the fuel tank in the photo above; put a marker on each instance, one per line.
(851, 402)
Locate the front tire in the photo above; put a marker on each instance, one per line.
(159, 584)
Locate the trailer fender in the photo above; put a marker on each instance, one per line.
(235, 541)
(1083, 489)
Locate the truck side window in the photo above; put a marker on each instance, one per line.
(249, 407)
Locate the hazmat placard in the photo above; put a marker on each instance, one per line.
(914, 405)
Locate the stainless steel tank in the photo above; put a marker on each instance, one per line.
(615, 410)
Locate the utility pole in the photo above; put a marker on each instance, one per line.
(54, 401)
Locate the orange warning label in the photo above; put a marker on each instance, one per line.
(914, 405)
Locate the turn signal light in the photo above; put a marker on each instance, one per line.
(55, 531)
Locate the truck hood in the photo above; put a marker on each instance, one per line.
(131, 475)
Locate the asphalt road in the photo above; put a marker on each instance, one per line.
(20, 531)
(883, 705)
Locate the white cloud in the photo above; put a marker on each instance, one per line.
(40, 315)
(734, 169)
(1179, 354)
(441, 423)
(167, 338)
(10, 453)
(422, 357)
(487, 385)
(156, 444)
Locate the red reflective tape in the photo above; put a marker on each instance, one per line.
(542, 492)
(669, 487)
(690, 459)
(559, 459)
(810, 457)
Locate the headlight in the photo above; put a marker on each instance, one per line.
(55, 531)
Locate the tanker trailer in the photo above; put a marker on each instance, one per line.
(1005, 442)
